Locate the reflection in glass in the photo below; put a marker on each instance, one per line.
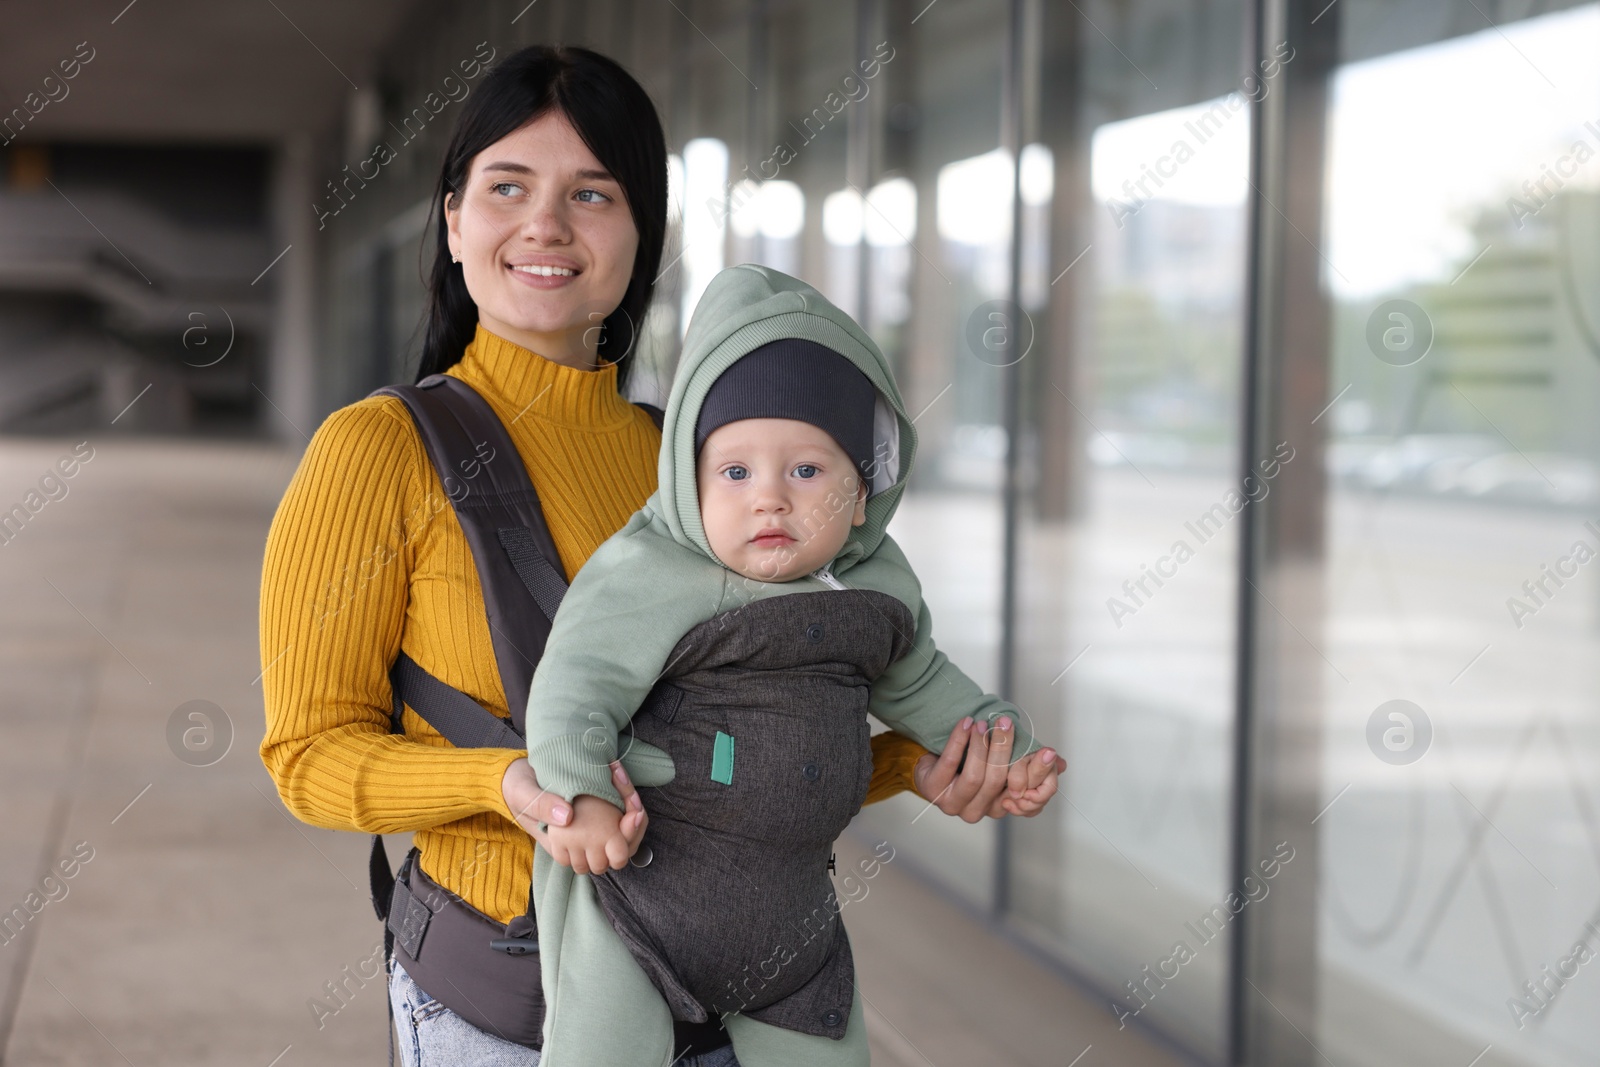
(1129, 575)
(1462, 879)
(767, 220)
(949, 522)
(705, 215)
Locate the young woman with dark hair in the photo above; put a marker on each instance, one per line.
(551, 211)
(615, 120)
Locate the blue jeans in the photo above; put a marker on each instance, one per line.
(428, 1033)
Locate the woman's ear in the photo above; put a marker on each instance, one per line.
(452, 221)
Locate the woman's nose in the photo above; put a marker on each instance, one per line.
(546, 221)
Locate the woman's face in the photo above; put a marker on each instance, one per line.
(546, 240)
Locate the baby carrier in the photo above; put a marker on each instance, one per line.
(735, 910)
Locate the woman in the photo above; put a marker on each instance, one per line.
(552, 204)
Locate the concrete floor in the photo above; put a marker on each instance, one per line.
(200, 921)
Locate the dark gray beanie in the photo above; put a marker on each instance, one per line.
(792, 378)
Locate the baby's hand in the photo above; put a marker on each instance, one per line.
(1031, 782)
(594, 842)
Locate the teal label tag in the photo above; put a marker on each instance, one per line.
(722, 759)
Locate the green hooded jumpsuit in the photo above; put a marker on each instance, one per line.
(653, 605)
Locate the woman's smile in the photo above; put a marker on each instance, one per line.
(544, 272)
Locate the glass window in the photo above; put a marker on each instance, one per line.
(768, 219)
(803, 121)
(1461, 856)
(936, 222)
(1134, 282)
(705, 220)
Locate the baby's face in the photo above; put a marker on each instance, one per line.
(777, 497)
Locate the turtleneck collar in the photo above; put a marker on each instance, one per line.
(519, 377)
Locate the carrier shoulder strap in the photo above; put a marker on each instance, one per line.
(489, 488)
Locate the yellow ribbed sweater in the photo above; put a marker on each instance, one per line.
(365, 558)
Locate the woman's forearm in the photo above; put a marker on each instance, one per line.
(375, 782)
(894, 757)
(334, 595)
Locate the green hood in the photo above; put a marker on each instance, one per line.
(743, 308)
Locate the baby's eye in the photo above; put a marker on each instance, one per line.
(806, 470)
(736, 473)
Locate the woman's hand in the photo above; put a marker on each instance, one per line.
(988, 782)
(532, 805)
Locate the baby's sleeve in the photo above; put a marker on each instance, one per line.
(923, 694)
(619, 621)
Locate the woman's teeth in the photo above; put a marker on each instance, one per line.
(546, 272)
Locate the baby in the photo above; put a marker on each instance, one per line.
(728, 644)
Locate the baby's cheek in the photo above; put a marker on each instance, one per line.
(726, 545)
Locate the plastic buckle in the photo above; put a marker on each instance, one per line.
(515, 946)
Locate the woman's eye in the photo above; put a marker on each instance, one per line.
(806, 470)
(593, 192)
(497, 186)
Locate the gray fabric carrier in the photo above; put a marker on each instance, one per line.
(733, 908)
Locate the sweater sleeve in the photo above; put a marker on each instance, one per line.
(334, 587)
(923, 695)
(894, 761)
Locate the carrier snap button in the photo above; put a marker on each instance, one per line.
(642, 857)
(814, 633)
(830, 1018)
(812, 772)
